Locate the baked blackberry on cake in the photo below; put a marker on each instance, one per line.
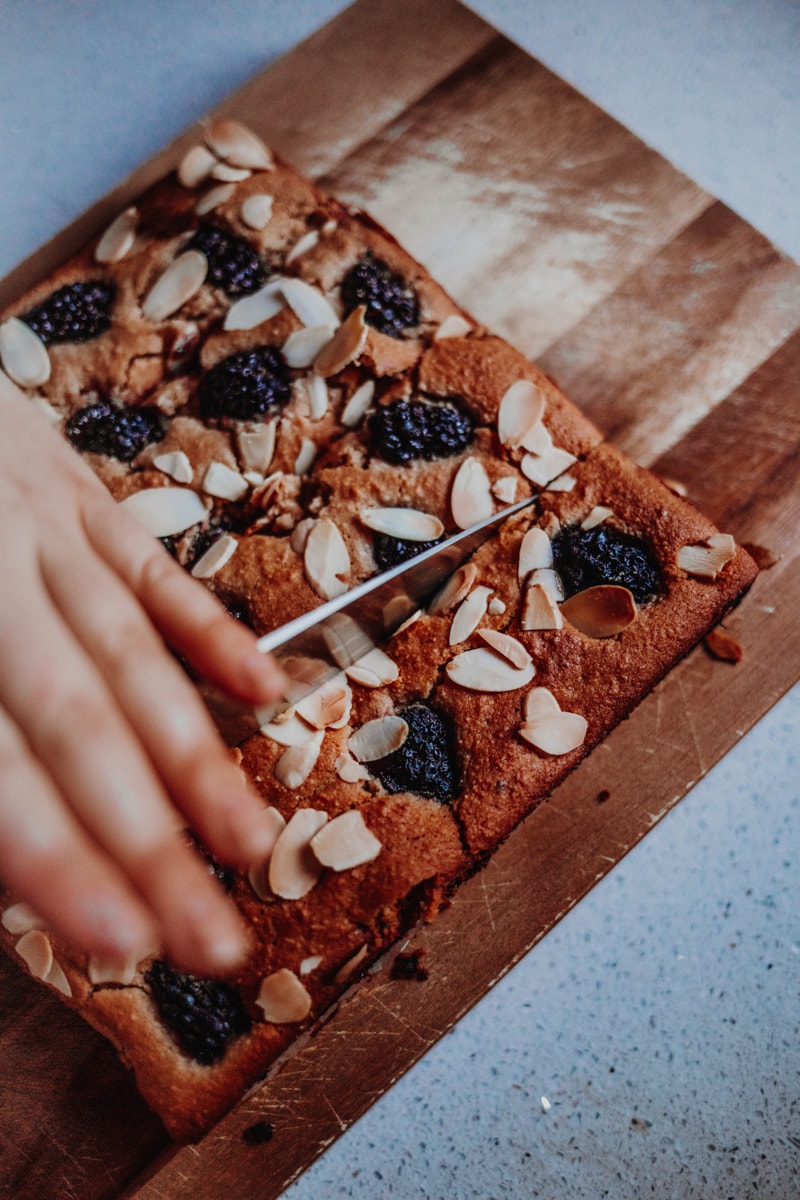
(285, 398)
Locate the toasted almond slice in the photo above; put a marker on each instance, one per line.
(258, 874)
(540, 610)
(305, 457)
(485, 671)
(720, 644)
(540, 702)
(345, 346)
(35, 950)
(23, 354)
(318, 396)
(257, 445)
(510, 647)
(238, 145)
(454, 591)
(257, 210)
(307, 242)
(409, 621)
(21, 918)
(118, 238)
(675, 485)
(215, 557)
(596, 516)
(564, 483)
(176, 464)
(504, 489)
(375, 669)
(409, 524)
(348, 969)
(542, 468)
(289, 730)
(310, 964)
(538, 440)
(309, 304)
(283, 998)
(471, 494)
(469, 615)
(223, 482)
(345, 842)
(165, 511)
(706, 559)
(535, 551)
(195, 166)
(602, 611)
(452, 327)
(302, 347)
(112, 970)
(557, 733)
(349, 770)
(377, 738)
(182, 279)
(293, 869)
(57, 979)
(253, 310)
(299, 535)
(325, 559)
(328, 707)
(521, 407)
(496, 606)
(297, 762)
(358, 404)
(228, 174)
(213, 198)
(550, 580)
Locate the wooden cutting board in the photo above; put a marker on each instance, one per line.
(676, 327)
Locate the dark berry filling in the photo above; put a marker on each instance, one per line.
(426, 762)
(389, 551)
(409, 429)
(224, 875)
(587, 557)
(252, 383)
(203, 1015)
(105, 428)
(75, 313)
(233, 264)
(391, 304)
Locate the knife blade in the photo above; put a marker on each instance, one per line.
(313, 648)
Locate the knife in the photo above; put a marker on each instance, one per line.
(314, 647)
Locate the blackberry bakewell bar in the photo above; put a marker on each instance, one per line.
(278, 391)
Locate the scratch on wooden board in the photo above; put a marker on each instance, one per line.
(400, 1020)
(485, 892)
(342, 1124)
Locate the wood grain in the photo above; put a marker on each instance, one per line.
(676, 326)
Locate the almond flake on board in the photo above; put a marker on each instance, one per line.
(409, 524)
(706, 559)
(182, 279)
(257, 210)
(165, 511)
(510, 647)
(454, 590)
(307, 242)
(602, 611)
(258, 873)
(471, 498)
(469, 615)
(540, 610)
(215, 557)
(293, 869)
(377, 738)
(283, 998)
(345, 345)
(452, 327)
(257, 445)
(23, 354)
(118, 238)
(596, 516)
(176, 464)
(542, 469)
(253, 310)
(485, 671)
(375, 669)
(238, 145)
(213, 198)
(326, 560)
(720, 644)
(21, 918)
(297, 762)
(303, 347)
(535, 551)
(356, 407)
(223, 482)
(556, 733)
(195, 166)
(521, 408)
(345, 842)
(349, 770)
(308, 303)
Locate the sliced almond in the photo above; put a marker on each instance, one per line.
(165, 511)
(257, 445)
(675, 485)
(556, 733)
(345, 842)
(297, 762)
(176, 464)
(377, 738)
(451, 327)
(212, 199)
(258, 874)
(349, 770)
(328, 707)
(326, 560)
(540, 610)
(305, 457)
(721, 645)
(257, 210)
(310, 964)
(118, 238)
(302, 347)
(195, 166)
(345, 346)
(299, 535)
(223, 482)
(253, 310)
(550, 580)
(358, 404)
(21, 918)
(521, 408)
(538, 440)
(307, 242)
(238, 145)
(504, 489)
(541, 469)
(602, 611)
(454, 591)
(35, 950)
(293, 869)
(23, 354)
(228, 174)
(283, 998)
(540, 702)
(510, 647)
(182, 279)
(409, 524)
(348, 969)
(535, 551)
(469, 615)
(309, 304)
(289, 730)
(485, 671)
(375, 669)
(706, 559)
(215, 557)
(112, 970)
(564, 483)
(496, 606)
(318, 397)
(471, 494)
(596, 517)
(57, 979)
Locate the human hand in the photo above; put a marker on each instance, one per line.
(106, 750)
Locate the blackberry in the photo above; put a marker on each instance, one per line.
(203, 1015)
(105, 428)
(389, 551)
(426, 762)
(252, 383)
(233, 264)
(587, 557)
(408, 429)
(75, 313)
(391, 305)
